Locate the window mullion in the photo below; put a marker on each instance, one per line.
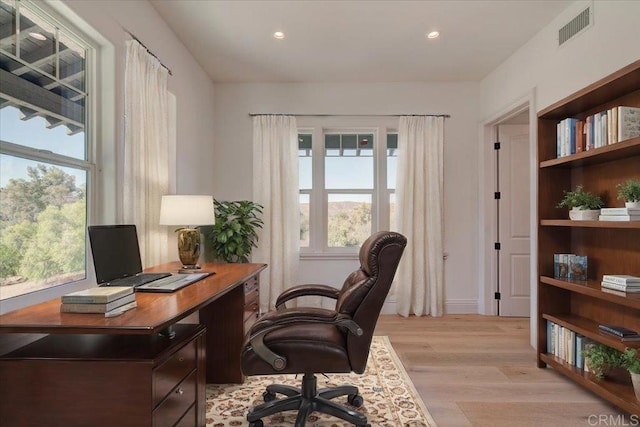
(318, 212)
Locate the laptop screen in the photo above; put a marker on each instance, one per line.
(115, 251)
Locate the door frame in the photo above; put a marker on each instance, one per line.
(487, 207)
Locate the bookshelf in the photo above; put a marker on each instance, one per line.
(611, 247)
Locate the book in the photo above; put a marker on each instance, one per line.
(618, 331)
(580, 342)
(561, 266)
(99, 295)
(614, 291)
(619, 218)
(120, 310)
(97, 307)
(620, 211)
(577, 267)
(619, 287)
(628, 122)
(622, 279)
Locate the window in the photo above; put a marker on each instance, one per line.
(46, 168)
(347, 186)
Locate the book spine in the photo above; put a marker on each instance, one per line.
(611, 278)
(611, 331)
(579, 350)
(620, 211)
(628, 122)
(619, 218)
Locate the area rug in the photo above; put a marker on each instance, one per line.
(390, 399)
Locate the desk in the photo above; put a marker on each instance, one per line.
(95, 345)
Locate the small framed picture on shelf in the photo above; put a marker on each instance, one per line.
(561, 266)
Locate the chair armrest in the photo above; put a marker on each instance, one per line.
(306, 290)
(289, 317)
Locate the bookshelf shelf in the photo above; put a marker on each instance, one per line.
(589, 224)
(619, 392)
(611, 247)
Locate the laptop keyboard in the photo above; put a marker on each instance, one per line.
(136, 281)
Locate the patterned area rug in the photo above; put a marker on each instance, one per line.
(390, 399)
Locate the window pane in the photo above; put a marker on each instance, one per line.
(349, 219)
(305, 168)
(393, 217)
(304, 220)
(7, 11)
(43, 215)
(37, 43)
(347, 166)
(36, 133)
(72, 62)
(392, 160)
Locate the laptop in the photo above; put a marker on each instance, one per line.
(116, 256)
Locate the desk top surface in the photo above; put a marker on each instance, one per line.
(155, 311)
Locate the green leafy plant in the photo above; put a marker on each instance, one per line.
(234, 234)
(580, 199)
(630, 360)
(601, 359)
(629, 191)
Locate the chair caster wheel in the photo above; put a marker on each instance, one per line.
(257, 423)
(268, 397)
(355, 400)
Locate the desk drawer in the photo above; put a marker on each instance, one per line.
(189, 419)
(171, 372)
(176, 403)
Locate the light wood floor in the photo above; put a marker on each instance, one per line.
(473, 370)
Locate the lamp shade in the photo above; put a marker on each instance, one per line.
(187, 210)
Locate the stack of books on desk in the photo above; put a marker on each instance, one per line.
(619, 214)
(108, 300)
(621, 282)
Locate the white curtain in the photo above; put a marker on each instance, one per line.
(146, 146)
(419, 285)
(275, 187)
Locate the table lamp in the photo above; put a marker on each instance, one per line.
(189, 212)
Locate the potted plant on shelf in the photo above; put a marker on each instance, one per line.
(584, 205)
(601, 359)
(234, 234)
(629, 191)
(632, 364)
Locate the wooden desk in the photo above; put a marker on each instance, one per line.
(220, 301)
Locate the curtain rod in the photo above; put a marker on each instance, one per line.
(446, 116)
(148, 50)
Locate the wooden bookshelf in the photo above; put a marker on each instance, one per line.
(611, 247)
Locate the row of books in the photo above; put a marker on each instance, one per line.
(566, 344)
(111, 301)
(619, 214)
(598, 130)
(621, 282)
(570, 266)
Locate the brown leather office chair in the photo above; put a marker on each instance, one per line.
(314, 340)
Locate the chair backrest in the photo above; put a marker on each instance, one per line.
(365, 290)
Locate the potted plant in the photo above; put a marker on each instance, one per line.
(601, 359)
(629, 191)
(234, 234)
(632, 364)
(584, 205)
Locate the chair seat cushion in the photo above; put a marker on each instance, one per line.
(307, 348)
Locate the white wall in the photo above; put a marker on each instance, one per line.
(233, 158)
(552, 73)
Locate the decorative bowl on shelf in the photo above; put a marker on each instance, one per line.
(576, 214)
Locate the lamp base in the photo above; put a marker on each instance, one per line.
(189, 269)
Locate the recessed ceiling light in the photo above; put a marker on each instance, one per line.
(38, 36)
(278, 35)
(433, 35)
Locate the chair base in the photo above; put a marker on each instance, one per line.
(307, 400)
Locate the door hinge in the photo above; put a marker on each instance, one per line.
(496, 145)
(496, 246)
(496, 195)
(496, 296)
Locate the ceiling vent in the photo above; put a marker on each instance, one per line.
(577, 25)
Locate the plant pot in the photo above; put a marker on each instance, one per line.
(635, 380)
(576, 214)
(632, 205)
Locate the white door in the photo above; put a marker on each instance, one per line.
(513, 220)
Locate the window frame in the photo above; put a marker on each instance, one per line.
(318, 126)
(56, 16)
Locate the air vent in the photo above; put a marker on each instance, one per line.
(578, 24)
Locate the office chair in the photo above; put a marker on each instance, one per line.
(315, 340)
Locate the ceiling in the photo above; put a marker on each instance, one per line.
(354, 41)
